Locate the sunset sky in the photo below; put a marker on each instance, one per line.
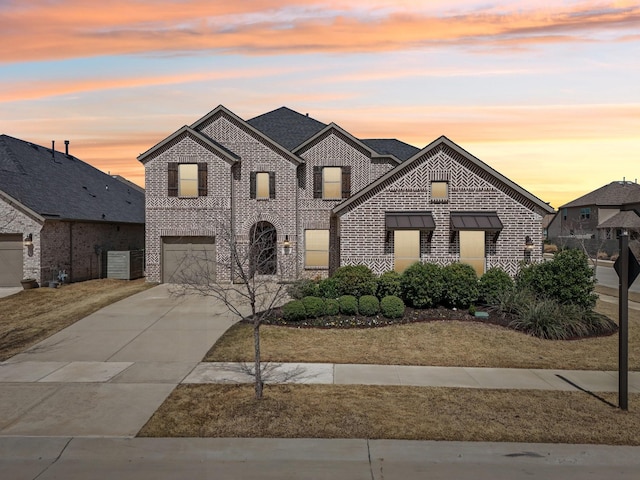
(547, 93)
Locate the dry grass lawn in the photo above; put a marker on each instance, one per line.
(339, 411)
(33, 315)
(439, 343)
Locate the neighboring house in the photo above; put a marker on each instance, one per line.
(597, 218)
(58, 213)
(334, 198)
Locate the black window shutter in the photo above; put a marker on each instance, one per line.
(317, 182)
(172, 170)
(272, 184)
(252, 185)
(202, 179)
(346, 182)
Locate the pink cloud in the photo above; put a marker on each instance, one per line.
(75, 28)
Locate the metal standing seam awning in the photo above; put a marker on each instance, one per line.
(479, 221)
(413, 220)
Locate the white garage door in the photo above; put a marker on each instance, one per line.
(188, 260)
(10, 260)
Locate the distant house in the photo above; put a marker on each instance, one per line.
(58, 213)
(333, 199)
(597, 218)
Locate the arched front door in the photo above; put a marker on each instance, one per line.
(263, 241)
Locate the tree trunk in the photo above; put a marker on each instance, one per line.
(256, 352)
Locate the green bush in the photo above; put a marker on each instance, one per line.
(314, 306)
(392, 306)
(302, 288)
(492, 284)
(356, 280)
(389, 284)
(368, 305)
(348, 305)
(328, 288)
(294, 311)
(422, 285)
(332, 307)
(460, 285)
(567, 278)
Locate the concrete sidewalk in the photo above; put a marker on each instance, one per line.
(264, 458)
(422, 376)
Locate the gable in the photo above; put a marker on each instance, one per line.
(231, 131)
(443, 160)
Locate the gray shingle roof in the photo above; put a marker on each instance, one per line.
(614, 194)
(627, 219)
(390, 146)
(286, 127)
(64, 187)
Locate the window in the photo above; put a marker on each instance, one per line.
(472, 249)
(187, 179)
(263, 185)
(439, 191)
(316, 248)
(406, 248)
(564, 214)
(331, 183)
(585, 213)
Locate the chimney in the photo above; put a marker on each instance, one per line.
(66, 147)
(53, 150)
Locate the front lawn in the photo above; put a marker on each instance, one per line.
(394, 412)
(437, 343)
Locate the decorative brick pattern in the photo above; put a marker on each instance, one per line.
(13, 220)
(359, 234)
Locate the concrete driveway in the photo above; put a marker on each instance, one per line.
(108, 373)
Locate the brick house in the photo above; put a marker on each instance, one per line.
(330, 198)
(58, 213)
(596, 218)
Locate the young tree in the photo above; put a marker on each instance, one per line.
(243, 273)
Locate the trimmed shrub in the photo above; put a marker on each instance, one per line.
(392, 306)
(302, 288)
(314, 306)
(422, 285)
(332, 307)
(328, 288)
(348, 305)
(356, 280)
(460, 285)
(294, 311)
(389, 284)
(567, 278)
(493, 284)
(368, 305)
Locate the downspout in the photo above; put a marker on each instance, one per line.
(70, 251)
(298, 236)
(232, 233)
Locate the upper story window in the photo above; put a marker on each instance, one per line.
(585, 213)
(187, 179)
(263, 185)
(332, 183)
(439, 191)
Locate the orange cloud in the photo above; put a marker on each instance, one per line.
(74, 28)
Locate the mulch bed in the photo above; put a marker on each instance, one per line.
(411, 315)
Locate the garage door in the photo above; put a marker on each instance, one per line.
(10, 260)
(188, 260)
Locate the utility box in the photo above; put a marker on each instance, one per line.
(125, 265)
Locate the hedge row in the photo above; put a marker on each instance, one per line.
(567, 278)
(367, 305)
